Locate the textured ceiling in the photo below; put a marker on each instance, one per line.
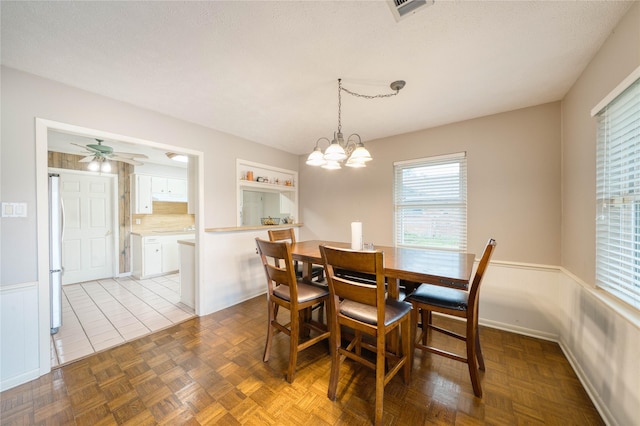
(267, 71)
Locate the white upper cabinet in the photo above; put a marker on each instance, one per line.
(141, 194)
(169, 189)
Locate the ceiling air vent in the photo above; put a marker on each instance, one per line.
(403, 8)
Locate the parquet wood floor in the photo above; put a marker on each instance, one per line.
(209, 370)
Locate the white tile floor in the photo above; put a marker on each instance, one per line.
(101, 314)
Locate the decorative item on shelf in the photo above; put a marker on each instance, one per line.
(270, 220)
(288, 182)
(288, 220)
(338, 150)
(250, 175)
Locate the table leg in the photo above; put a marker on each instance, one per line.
(306, 271)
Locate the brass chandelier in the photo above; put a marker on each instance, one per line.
(339, 150)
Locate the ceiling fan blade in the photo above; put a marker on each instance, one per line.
(85, 147)
(129, 155)
(126, 160)
(87, 159)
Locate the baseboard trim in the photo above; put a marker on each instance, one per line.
(600, 405)
(519, 330)
(19, 379)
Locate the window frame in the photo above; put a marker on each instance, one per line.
(617, 225)
(449, 204)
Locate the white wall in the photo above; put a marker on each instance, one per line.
(19, 350)
(24, 98)
(513, 175)
(616, 59)
(600, 334)
(603, 346)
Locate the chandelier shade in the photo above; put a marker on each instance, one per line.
(355, 153)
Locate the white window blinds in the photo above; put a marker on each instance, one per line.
(618, 196)
(431, 202)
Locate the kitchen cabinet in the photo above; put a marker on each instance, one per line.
(170, 254)
(146, 188)
(169, 189)
(152, 258)
(141, 194)
(156, 255)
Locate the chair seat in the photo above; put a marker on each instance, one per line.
(306, 292)
(394, 310)
(442, 297)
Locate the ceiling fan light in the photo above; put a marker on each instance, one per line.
(105, 167)
(94, 165)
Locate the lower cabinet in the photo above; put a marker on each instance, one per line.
(153, 256)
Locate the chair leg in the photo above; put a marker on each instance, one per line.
(407, 348)
(414, 331)
(380, 363)
(271, 315)
(293, 346)
(334, 345)
(479, 351)
(472, 361)
(426, 322)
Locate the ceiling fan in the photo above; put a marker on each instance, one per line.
(99, 154)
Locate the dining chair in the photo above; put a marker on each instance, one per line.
(287, 234)
(363, 307)
(429, 298)
(285, 291)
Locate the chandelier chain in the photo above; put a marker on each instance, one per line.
(339, 105)
(358, 95)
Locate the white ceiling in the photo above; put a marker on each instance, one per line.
(267, 71)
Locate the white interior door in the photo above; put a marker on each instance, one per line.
(87, 245)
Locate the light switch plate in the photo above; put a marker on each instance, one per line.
(14, 209)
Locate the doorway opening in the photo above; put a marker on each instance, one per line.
(118, 290)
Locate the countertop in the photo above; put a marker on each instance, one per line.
(160, 233)
(254, 228)
(187, 242)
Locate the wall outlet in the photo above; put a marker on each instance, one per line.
(138, 221)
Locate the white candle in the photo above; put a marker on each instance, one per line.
(356, 235)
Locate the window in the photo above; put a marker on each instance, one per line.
(618, 196)
(431, 202)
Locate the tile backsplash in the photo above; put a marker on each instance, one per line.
(165, 216)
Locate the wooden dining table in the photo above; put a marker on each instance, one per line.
(440, 267)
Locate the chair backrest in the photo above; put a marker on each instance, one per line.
(474, 291)
(369, 262)
(279, 271)
(282, 235)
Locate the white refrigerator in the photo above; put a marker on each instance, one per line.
(56, 233)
